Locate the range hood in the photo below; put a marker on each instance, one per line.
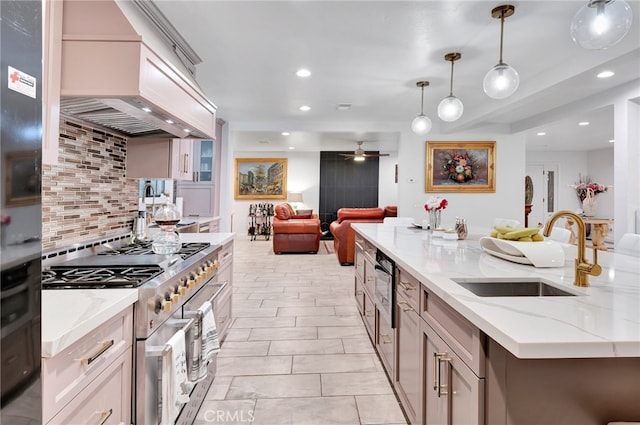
(117, 72)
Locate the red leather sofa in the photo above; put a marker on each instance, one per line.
(295, 233)
(344, 237)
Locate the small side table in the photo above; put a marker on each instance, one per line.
(599, 231)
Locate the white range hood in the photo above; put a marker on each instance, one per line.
(117, 73)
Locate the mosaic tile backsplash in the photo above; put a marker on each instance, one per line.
(86, 196)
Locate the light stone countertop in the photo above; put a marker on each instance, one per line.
(70, 314)
(602, 321)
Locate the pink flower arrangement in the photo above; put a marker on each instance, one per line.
(583, 187)
(435, 204)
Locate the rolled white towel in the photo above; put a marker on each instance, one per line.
(175, 383)
(210, 340)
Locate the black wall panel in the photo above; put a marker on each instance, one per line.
(346, 183)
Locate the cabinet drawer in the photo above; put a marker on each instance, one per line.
(369, 316)
(225, 256)
(222, 312)
(463, 337)
(385, 343)
(66, 374)
(358, 294)
(408, 287)
(369, 278)
(359, 263)
(106, 400)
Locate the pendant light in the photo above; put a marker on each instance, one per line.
(421, 124)
(600, 24)
(450, 108)
(502, 80)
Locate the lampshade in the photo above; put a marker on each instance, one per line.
(502, 80)
(600, 24)
(421, 124)
(294, 197)
(451, 108)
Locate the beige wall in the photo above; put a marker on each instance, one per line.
(86, 196)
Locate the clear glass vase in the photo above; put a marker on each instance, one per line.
(434, 218)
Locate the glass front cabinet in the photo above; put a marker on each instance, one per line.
(204, 155)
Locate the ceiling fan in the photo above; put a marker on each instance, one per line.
(360, 155)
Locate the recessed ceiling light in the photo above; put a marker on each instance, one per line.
(541, 133)
(169, 121)
(305, 108)
(343, 106)
(146, 109)
(583, 123)
(612, 141)
(303, 73)
(186, 130)
(285, 133)
(291, 148)
(606, 74)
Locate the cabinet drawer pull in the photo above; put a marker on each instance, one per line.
(358, 292)
(369, 278)
(368, 313)
(104, 416)
(223, 319)
(406, 286)
(105, 346)
(407, 308)
(437, 382)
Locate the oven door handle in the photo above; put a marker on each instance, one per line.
(194, 313)
(165, 349)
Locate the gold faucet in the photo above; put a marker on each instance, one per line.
(582, 267)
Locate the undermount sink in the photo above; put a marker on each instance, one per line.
(511, 287)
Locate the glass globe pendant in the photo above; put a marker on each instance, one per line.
(502, 80)
(421, 124)
(600, 24)
(451, 108)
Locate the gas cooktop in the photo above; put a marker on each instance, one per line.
(127, 266)
(188, 249)
(95, 277)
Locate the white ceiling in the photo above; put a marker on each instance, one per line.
(371, 54)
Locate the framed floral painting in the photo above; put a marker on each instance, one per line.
(261, 178)
(460, 167)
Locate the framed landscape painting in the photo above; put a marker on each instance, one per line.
(460, 167)
(261, 178)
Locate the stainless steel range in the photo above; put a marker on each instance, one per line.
(170, 290)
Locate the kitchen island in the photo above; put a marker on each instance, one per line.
(501, 360)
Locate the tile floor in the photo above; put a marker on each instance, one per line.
(297, 352)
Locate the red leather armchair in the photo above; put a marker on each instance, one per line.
(293, 233)
(344, 237)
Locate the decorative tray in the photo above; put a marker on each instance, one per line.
(537, 254)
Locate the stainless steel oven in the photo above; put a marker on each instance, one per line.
(384, 288)
(171, 289)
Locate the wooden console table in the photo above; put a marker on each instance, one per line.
(599, 231)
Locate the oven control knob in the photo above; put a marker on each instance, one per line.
(182, 290)
(216, 264)
(191, 282)
(175, 298)
(166, 306)
(157, 305)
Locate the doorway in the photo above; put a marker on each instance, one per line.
(544, 177)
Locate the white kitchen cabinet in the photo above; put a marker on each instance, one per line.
(453, 393)
(94, 371)
(160, 158)
(385, 344)
(408, 380)
(201, 194)
(51, 70)
(209, 226)
(106, 400)
(222, 308)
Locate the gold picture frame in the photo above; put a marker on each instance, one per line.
(23, 178)
(261, 178)
(460, 167)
